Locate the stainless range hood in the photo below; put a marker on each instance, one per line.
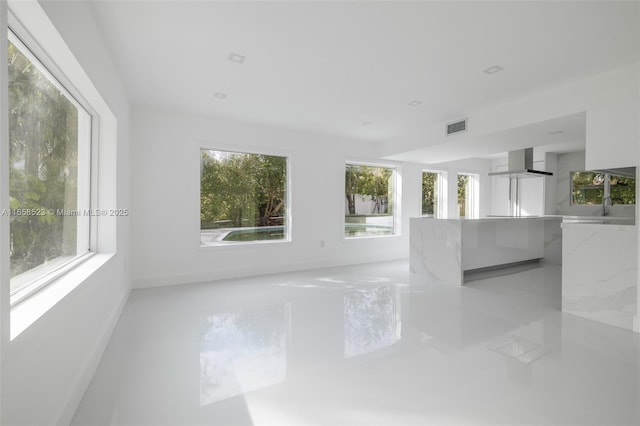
(521, 165)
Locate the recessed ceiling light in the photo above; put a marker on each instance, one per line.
(492, 70)
(366, 123)
(237, 58)
(220, 95)
(556, 132)
(414, 103)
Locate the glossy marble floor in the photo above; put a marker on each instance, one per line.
(365, 344)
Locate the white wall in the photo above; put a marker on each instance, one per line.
(613, 134)
(165, 201)
(47, 368)
(551, 184)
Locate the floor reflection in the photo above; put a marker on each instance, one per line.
(371, 320)
(519, 354)
(243, 351)
(363, 345)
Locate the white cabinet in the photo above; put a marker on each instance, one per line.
(531, 192)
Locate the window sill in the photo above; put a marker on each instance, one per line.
(256, 243)
(35, 279)
(27, 312)
(368, 237)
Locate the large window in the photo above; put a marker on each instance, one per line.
(468, 196)
(592, 187)
(433, 194)
(369, 200)
(49, 173)
(243, 197)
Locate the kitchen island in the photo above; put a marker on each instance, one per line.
(445, 249)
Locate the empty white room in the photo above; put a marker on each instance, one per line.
(319, 212)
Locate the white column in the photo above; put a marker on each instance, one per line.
(443, 195)
(452, 191)
(551, 184)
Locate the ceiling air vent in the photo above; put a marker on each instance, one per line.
(457, 127)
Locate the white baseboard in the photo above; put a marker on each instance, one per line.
(93, 361)
(150, 282)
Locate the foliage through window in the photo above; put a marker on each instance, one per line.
(468, 202)
(243, 197)
(369, 200)
(463, 182)
(590, 187)
(49, 171)
(432, 194)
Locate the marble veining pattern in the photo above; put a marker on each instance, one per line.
(443, 249)
(435, 249)
(599, 273)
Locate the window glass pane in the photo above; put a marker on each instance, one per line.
(463, 194)
(590, 187)
(587, 187)
(468, 195)
(622, 190)
(242, 197)
(430, 193)
(369, 193)
(44, 128)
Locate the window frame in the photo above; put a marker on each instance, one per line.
(108, 193)
(395, 199)
(87, 225)
(288, 187)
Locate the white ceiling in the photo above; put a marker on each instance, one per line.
(329, 66)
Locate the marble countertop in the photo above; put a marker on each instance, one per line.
(568, 221)
(496, 218)
(595, 225)
(550, 217)
(613, 218)
(599, 222)
(567, 217)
